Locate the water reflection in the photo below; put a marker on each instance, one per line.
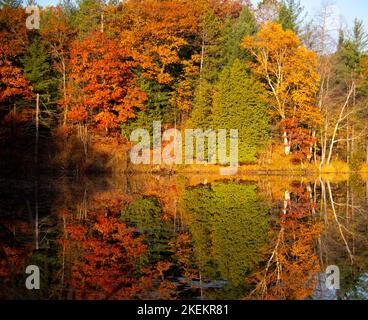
(184, 237)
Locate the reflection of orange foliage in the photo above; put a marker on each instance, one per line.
(183, 253)
(108, 257)
(9, 260)
(292, 265)
(18, 117)
(107, 261)
(167, 190)
(110, 202)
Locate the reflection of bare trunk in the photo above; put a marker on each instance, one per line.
(63, 256)
(82, 208)
(286, 201)
(274, 256)
(324, 201)
(36, 217)
(83, 136)
(339, 225)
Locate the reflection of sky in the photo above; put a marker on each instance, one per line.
(321, 292)
(360, 290)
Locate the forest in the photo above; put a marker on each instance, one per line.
(78, 78)
(73, 90)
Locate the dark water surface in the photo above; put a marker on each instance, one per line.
(184, 237)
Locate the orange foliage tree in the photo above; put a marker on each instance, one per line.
(14, 39)
(158, 34)
(103, 88)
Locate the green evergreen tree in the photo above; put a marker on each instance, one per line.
(38, 71)
(89, 16)
(245, 25)
(211, 44)
(202, 105)
(291, 15)
(238, 104)
(351, 49)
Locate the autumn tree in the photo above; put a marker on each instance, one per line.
(14, 39)
(104, 91)
(158, 34)
(289, 72)
(56, 34)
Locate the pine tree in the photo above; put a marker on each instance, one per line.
(291, 15)
(202, 104)
(238, 104)
(38, 71)
(245, 25)
(211, 46)
(90, 16)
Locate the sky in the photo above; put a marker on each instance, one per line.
(347, 10)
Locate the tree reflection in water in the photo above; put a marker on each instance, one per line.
(180, 237)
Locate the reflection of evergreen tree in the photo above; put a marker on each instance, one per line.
(229, 225)
(145, 215)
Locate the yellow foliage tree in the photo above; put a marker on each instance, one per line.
(289, 71)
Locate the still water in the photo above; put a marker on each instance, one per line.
(184, 237)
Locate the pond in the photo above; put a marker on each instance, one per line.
(200, 237)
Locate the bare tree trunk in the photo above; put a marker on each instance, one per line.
(341, 118)
(347, 143)
(286, 143)
(102, 20)
(324, 146)
(64, 91)
(37, 127)
(202, 56)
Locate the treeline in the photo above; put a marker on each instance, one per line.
(104, 68)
